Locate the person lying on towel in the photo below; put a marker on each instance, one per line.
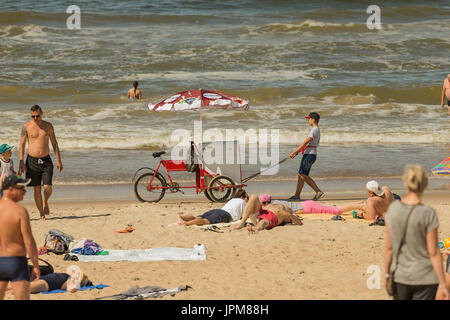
(279, 212)
(231, 211)
(54, 281)
(311, 206)
(265, 215)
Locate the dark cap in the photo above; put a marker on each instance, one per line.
(13, 180)
(313, 115)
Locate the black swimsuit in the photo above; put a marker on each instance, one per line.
(55, 280)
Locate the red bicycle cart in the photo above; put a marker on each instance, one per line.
(152, 185)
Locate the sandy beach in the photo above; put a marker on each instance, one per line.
(322, 259)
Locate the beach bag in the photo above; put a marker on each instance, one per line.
(44, 270)
(390, 285)
(57, 241)
(89, 248)
(78, 244)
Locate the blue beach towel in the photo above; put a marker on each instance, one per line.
(99, 286)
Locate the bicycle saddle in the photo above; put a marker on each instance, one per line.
(158, 154)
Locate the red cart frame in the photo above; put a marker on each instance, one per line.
(152, 185)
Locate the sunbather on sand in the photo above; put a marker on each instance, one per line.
(231, 211)
(309, 206)
(54, 281)
(378, 201)
(266, 215)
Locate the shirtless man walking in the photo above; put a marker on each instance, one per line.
(39, 165)
(16, 240)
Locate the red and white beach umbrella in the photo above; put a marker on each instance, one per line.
(196, 99)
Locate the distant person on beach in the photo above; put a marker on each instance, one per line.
(231, 211)
(39, 165)
(16, 240)
(446, 93)
(309, 150)
(6, 163)
(265, 215)
(412, 250)
(134, 93)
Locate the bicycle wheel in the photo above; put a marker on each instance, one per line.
(220, 189)
(143, 182)
(207, 181)
(138, 172)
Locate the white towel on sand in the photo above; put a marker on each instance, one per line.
(155, 254)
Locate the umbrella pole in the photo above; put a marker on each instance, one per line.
(201, 124)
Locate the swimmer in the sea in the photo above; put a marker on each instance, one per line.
(134, 93)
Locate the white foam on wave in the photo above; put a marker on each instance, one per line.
(296, 27)
(149, 139)
(133, 127)
(23, 32)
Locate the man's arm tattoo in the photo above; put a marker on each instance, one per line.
(24, 132)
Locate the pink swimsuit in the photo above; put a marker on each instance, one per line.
(311, 206)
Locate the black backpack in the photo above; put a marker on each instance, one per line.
(44, 270)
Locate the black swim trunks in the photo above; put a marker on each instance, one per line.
(55, 280)
(14, 269)
(39, 170)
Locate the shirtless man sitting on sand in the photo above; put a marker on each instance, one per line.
(265, 215)
(378, 201)
(39, 165)
(16, 240)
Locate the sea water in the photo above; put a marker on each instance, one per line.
(377, 91)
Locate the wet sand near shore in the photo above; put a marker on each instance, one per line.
(334, 188)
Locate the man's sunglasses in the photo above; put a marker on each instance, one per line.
(20, 188)
(38, 116)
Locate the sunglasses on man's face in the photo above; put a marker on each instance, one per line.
(36, 116)
(20, 188)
